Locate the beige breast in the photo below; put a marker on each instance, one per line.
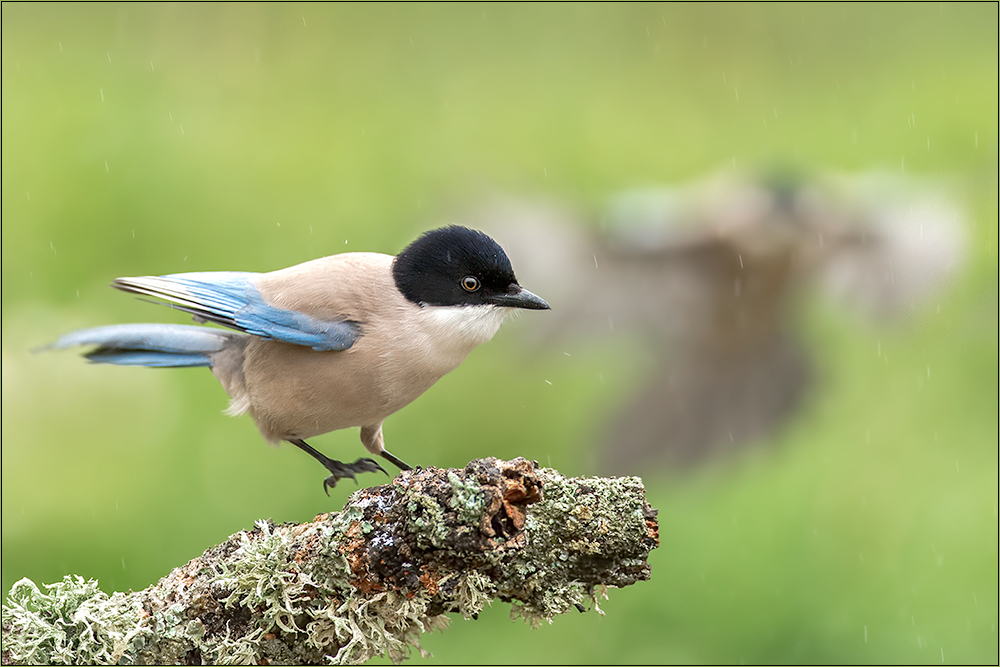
(296, 392)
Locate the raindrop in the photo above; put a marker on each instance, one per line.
(182, 130)
(102, 94)
(60, 46)
(737, 94)
(595, 262)
(548, 383)
(304, 22)
(737, 286)
(544, 169)
(123, 563)
(567, 354)
(310, 229)
(741, 261)
(977, 140)
(151, 66)
(109, 57)
(106, 166)
(29, 195)
(866, 634)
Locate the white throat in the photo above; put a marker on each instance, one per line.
(462, 326)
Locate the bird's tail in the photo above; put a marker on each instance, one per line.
(158, 345)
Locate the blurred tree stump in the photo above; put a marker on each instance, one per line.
(362, 582)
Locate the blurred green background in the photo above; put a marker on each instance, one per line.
(151, 139)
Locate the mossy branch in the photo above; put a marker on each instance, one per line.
(362, 582)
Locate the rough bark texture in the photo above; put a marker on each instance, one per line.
(362, 582)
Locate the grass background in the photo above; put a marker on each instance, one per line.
(150, 139)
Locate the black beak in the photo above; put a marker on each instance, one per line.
(518, 297)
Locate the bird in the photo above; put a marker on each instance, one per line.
(336, 342)
(706, 282)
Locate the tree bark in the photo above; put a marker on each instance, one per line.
(365, 581)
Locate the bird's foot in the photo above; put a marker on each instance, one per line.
(339, 470)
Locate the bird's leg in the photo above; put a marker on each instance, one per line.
(394, 460)
(371, 438)
(338, 469)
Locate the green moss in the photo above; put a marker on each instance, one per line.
(590, 508)
(467, 499)
(473, 593)
(384, 624)
(259, 578)
(284, 594)
(74, 623)
(431, 529)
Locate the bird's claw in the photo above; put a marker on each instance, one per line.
(340, 470)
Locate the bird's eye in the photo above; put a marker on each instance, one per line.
(470, 283)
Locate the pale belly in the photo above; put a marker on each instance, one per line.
(296, 392)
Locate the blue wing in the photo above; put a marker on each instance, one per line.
(229, 298)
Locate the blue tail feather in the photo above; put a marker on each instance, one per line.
(150, 359)
(155, 345)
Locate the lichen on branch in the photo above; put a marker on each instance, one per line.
(362, 582)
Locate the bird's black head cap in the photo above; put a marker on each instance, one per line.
(456, 266)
